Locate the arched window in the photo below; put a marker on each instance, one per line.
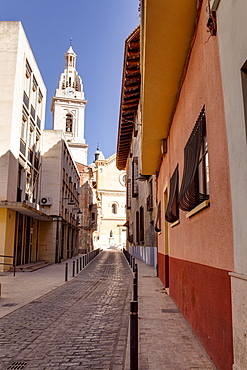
(69, 123)
(114, 208)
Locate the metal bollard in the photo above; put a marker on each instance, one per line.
(136, 271)
(135, 289)
(133, 264)
(80, 264)
(83, 262)
(77, 265)
(73, 271)
(66, 271)
(133, 335)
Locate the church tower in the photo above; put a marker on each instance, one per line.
(68, 108)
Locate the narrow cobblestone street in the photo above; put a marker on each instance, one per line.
(80, 325)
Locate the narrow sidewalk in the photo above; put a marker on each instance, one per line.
(25, 287)
(166, 341)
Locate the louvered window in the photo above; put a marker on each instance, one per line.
(195, 183)
(172, 211)
(134, 177)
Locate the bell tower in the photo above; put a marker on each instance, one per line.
(68, 108)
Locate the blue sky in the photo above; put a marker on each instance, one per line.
(98, 30)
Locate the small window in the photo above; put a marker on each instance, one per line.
(114, 208)
(69, 123)
(35, 84)
(28, 70)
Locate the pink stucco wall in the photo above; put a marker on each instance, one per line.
(204, 240)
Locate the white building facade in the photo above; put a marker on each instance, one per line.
(22, 108)
(110, 196)
(232, 30)
(68, 108)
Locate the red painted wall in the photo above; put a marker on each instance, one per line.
(203, 295)
(163, 269)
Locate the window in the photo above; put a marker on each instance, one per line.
(137, 227)
(129, 194)
(141, 224)
(24, 127)
(40, 97)
(35, 84)
(69, 123)
(28, 70)
(150, 196)
(172, 211)
(134, 177)
(157, 227)
(25, 99)
(114, 208)
(195, 183)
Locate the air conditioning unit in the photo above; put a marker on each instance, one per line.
(46, 201)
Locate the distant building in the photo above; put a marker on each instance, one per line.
(59, 198)
(22, 110)
(110, 196)
(88, 207)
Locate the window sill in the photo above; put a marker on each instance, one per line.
(199, 208)
(175, 223)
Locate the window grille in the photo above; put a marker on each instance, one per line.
(195, 183)
(172, 211)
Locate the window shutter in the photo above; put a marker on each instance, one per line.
(157, 227)
(172, 211)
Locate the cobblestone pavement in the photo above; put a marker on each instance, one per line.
(81, 325)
